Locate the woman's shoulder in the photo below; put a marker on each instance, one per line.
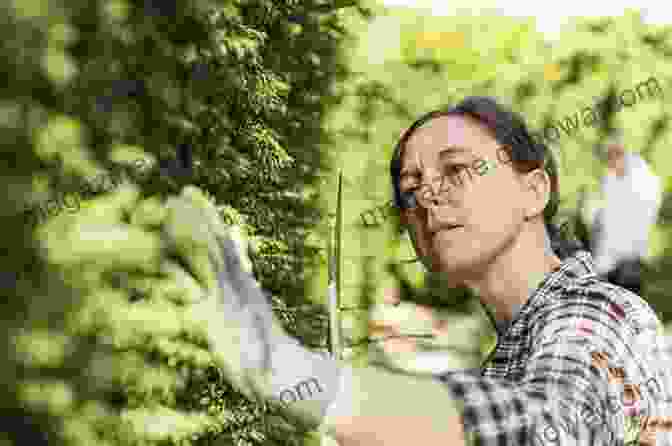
(601, 303)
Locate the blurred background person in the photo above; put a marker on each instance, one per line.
(620, 233)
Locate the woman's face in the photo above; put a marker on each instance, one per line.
(470, 206)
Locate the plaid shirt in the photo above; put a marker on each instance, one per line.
(568, 367)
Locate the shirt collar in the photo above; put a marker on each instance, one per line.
(580, 264)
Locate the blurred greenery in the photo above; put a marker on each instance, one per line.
(260, 103)
(436, 61)
(397, 79)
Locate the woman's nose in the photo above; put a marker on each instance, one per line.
(432, 200)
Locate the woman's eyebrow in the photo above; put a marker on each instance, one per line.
(450, 150)
(454, 150)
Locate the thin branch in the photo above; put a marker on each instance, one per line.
(370, 340)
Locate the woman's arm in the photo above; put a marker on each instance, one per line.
(378, 407)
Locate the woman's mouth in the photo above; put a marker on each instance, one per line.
(447, 231)
(448, 228)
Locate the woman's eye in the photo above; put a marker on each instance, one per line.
(455, 168)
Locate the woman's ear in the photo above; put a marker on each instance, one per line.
(539, 188)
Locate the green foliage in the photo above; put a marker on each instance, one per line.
(229, 95)
(407, 64)
(437, 61)
(604, 74)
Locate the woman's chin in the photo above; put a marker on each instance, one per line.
(455, 263)
(452, 265)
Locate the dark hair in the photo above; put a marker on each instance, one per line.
(524, 152)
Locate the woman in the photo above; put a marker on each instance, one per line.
(477, 196)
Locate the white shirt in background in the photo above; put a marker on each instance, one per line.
(631, 208)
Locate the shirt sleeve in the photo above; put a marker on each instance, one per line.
(563, 398)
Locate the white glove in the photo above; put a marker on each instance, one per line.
(262, 361)
(256, 354)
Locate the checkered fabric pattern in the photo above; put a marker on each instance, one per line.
(542, 385)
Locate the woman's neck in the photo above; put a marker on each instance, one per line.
(515, 275)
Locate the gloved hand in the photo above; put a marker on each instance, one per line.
(256, 354)
(262, 361)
